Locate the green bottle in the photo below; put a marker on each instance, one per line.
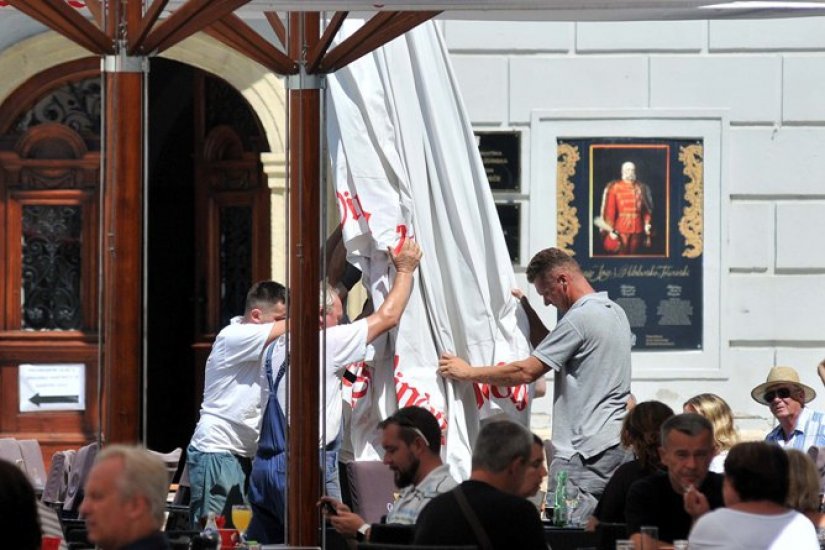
(560, 501)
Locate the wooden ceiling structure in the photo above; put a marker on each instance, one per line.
(124, 33)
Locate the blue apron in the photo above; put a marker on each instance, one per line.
(267, 483)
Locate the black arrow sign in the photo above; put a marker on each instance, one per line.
(37, 399)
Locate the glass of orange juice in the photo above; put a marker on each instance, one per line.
(241, 516)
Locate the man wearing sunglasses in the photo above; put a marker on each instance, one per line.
(799, 427)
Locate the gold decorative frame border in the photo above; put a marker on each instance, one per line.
(691, 224)
(567, 218)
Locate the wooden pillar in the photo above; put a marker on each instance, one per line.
(122, 312)
(303, 470)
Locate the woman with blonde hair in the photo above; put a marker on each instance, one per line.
(803, 487)
(715, 409)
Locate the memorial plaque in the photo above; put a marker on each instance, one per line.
(501, 156)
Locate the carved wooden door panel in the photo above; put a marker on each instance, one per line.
(231, 212)
(49, 214)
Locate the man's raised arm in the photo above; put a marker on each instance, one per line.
(389, 314)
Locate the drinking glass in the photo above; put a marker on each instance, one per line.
(241, 516)
(571, 500)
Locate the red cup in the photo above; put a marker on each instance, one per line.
(227, 538)
(50, 542)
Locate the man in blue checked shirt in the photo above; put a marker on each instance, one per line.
(799, 427)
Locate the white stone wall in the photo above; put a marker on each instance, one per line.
(767, 78)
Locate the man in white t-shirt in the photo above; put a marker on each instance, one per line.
(344, 344)
(220, 452)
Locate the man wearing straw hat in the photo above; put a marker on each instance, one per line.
(799, 427)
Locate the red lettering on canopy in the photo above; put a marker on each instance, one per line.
(517, 394)
(401, 230)
(351, 206)
(409, 396)
(363, 378)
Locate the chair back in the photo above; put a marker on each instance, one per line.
(183, 493)
(10, 452)
(78, 473)
(58, 477)
(371, 488)
(33, 460)
(172, 461)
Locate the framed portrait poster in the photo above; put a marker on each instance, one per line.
(637, 207)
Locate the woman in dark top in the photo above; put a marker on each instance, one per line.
(640, 432)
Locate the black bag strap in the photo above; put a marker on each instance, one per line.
(472, 519)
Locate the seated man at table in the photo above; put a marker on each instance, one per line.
(536, 471)
(125, 498)
(673, 500)
(488, 507)
(412, 445)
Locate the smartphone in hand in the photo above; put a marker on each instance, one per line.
(328, 508)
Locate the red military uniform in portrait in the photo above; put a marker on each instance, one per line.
(627, 207)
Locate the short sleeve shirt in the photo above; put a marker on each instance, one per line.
(590, 351)
(345, 344)
(234, 389)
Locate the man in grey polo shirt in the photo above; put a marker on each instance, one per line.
(590, 351)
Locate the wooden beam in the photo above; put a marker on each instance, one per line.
(96, 9)
(377, 36)
(192, 17)
(303, 465)
(277, 26)
(146, 23)
(356, 39)
(134, 16)
(320, 49)
(74, 18)
(123, 200)
(60, 17)
(232, 31)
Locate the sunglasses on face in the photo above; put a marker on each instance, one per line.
(782, 393)
(405, 423)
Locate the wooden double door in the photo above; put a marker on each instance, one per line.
(206, 240)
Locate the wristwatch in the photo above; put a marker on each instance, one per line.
(363, 531)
